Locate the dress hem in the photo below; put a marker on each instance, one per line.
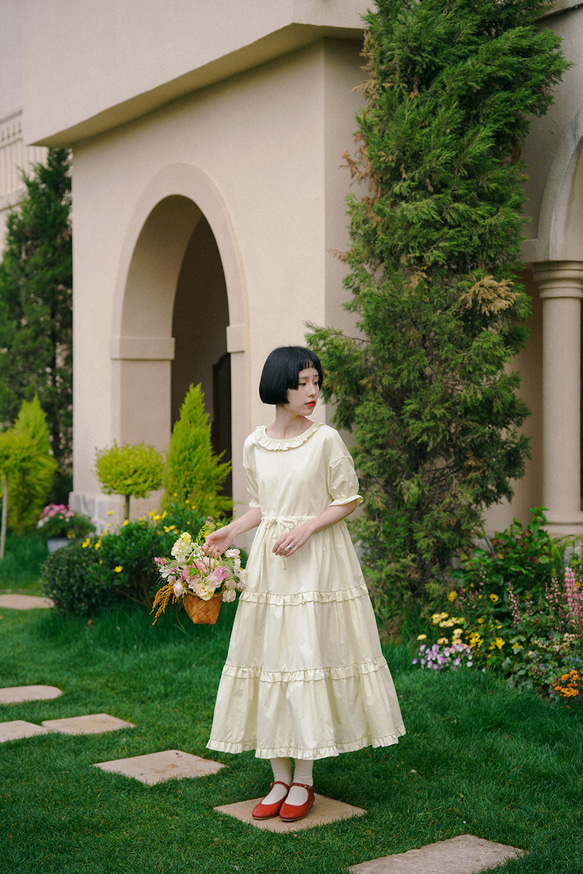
(296, 753)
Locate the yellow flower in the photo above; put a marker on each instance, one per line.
(118, 569)
(110, 512)
(98, 544)
(499, 642)
(438, 617)
(457, 632)
(126, 522)
(443, 640)
(421, 637)
(86, 543)
(493, 598)
(452, 596)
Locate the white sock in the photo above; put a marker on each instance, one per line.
(302, 774)
(281, 772)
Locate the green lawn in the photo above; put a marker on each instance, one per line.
(478, 759)
(19, 569)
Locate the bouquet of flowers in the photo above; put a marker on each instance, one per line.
(192, 574)
(59, 520)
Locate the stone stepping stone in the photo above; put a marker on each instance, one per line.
(158, 767)
(18, 729)
(17, 694)
(465, 854)
(95, 723)
(24, 602)
(324, 811)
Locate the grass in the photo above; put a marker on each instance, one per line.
(478, 759)
(20, 567)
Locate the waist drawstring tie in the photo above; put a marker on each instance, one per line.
(286, 523)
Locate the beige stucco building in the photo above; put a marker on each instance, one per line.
(208, 200)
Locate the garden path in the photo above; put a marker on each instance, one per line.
(24, 602)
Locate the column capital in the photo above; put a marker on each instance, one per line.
(559, 278)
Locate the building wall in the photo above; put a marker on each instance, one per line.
(241, 112)
(121, 60)
(263, 151)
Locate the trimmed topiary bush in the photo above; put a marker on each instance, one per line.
(131, 471)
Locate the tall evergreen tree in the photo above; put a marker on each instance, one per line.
(36, 308)
(435, 245)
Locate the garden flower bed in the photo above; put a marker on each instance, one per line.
(517, 611)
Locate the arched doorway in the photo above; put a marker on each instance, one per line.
(199, 328)
(179, 316)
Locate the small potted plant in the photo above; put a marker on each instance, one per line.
(61, 523)
(200, 582)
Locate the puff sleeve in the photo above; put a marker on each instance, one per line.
(342, 479)
(250, 477)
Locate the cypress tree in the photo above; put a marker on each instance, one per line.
(36, 308)
(428, 388)
(193, 475)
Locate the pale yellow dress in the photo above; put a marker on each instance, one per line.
(305, 676)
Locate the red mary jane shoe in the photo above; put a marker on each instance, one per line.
(292, 812)
(266, 811)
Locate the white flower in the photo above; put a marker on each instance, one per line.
(229, 595)
(182, 547)
(178, 588)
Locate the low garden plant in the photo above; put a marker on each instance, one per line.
(91, 575)
(517, 611)
(61, 521)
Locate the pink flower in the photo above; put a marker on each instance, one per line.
(220, 574)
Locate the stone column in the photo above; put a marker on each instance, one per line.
(561, 290)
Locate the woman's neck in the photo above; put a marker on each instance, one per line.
(287, 424)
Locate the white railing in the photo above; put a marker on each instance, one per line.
(15, 158)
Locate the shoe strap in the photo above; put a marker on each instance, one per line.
(304, 786)
(281, 783)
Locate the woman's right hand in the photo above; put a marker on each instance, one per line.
(218, 541)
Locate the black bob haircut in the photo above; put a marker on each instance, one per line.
(281, 371)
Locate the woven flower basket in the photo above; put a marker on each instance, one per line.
(202, 612)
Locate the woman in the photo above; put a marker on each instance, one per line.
(305, 677)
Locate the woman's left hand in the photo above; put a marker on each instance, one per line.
(292, 540)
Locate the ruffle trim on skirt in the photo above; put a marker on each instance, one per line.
(297, 753)
(342, 672)
(297, 598)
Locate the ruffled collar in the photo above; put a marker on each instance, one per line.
(283, 443)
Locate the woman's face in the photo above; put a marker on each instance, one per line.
(303, 399)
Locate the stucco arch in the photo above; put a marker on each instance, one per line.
(141, 346)
(560, 233)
